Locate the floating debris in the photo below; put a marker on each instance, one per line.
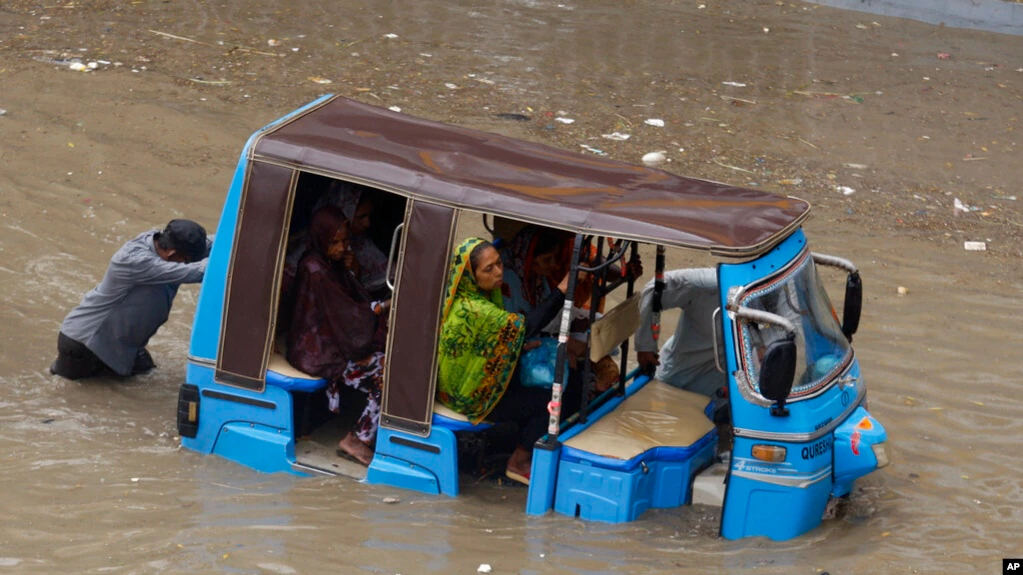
(391, 36)
(394, 109)
(736, 84)
(737, 101)
(590, 148)
(565, 120)
(655, 122)
(616, 136)
(213, 82)
(320, 80)
(391, 500)
(903, 290)
(731, 167)
(516, 117)
(654, 158)
(273, 42)
(846, 190)
(484, 568)
(975, 246)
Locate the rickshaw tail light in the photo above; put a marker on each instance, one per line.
(769, 453)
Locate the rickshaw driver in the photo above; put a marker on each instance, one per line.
(110, 328)
(687, 359)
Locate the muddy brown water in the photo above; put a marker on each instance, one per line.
(94, 480)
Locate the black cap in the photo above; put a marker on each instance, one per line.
(187, 237)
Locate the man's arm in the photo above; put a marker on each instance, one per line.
(147, 268)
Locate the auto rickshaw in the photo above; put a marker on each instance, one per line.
(799, 429)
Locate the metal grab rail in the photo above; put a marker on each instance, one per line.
(764, 317)
(833, 262)
(390, 255)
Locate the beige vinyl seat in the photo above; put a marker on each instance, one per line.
(280, 373)
(445, 411)
(656, 416)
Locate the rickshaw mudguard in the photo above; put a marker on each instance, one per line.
(856, 443)
(785, 499)
(425, 464)
(251, 428)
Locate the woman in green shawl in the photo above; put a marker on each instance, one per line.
(480, 344)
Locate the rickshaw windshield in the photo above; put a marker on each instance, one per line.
(798, 296)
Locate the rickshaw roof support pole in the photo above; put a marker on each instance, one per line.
(599, 279)
(656, 305)
(560, 373)
(629, 290)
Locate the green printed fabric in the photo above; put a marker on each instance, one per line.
(479, 342)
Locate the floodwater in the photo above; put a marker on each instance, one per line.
(1002, 16)
(94, 481)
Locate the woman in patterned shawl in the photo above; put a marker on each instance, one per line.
(480, 344)
(337, 332)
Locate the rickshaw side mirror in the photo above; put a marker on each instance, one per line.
(853, 305)
(777, 372)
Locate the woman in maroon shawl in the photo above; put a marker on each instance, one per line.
(337, 332)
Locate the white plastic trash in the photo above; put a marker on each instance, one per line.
(616, 136)
(484, 568)
(975, 246)
(655, 122)
(654, 158)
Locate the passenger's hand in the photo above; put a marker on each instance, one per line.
(635, 267)
(563, 286)
(648, 360)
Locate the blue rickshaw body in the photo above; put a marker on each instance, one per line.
(829, 438)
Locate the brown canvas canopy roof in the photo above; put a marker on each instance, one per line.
(473, 170)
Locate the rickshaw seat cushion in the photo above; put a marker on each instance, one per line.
(616, 326)
(659, 422)
(280, 373)
(448, 418)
